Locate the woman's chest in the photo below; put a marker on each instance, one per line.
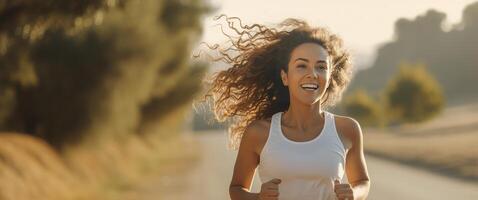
(303, 163)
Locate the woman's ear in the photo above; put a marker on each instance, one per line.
(283, 76)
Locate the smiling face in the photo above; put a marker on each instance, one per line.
(308, 73)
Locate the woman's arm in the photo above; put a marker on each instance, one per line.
(356, 167)
(361, 189)
(245, 165)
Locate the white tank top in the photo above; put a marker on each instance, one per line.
(307, 169)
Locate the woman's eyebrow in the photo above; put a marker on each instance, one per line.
(306, 60)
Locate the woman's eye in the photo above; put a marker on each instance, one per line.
(300, 66)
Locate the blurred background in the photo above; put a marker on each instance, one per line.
(99, 99)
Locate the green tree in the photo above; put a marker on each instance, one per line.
(423, 39)
(363, 108)
(70, 71)
(413, 95)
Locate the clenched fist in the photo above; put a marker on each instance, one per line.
(343, 191)
(270, 190)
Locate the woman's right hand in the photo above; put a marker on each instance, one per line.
(270, 190)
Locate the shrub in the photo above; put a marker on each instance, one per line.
(363, 108)
(413, 95)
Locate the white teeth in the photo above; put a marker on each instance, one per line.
(309, 86)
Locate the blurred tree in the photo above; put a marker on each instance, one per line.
(22, 25)
(362, 107)
(470, 17)
(96, 68)
(159, 106)
(413, 95)
(450, 54)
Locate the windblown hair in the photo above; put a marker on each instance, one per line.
(251, 89)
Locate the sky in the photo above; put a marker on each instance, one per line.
(363, 24)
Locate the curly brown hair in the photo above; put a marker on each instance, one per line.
(252, 88)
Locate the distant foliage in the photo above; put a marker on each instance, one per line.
(450, 54)
(413, 95)
(71, 70)
(363, 108)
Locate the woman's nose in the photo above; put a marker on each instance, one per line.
(313, 74)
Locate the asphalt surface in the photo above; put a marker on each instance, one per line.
(209, 180)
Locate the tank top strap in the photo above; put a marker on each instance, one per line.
(275, 124)
(327, 124)
(331, 124)
(329, 119)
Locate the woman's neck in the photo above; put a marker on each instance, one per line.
(303, 117)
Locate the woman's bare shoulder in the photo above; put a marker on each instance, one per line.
(257, 133)
(348, 129)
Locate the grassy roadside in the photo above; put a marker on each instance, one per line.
(161, 175)
(29, 169)
(108, 169)
(446, 145)
(170, 150)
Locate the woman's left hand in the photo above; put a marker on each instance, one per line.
(343, 191)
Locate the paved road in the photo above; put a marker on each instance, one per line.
(390, 181)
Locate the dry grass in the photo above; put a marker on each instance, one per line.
(30, 169)
(107, 169)
(170, 177)
(447, 145)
